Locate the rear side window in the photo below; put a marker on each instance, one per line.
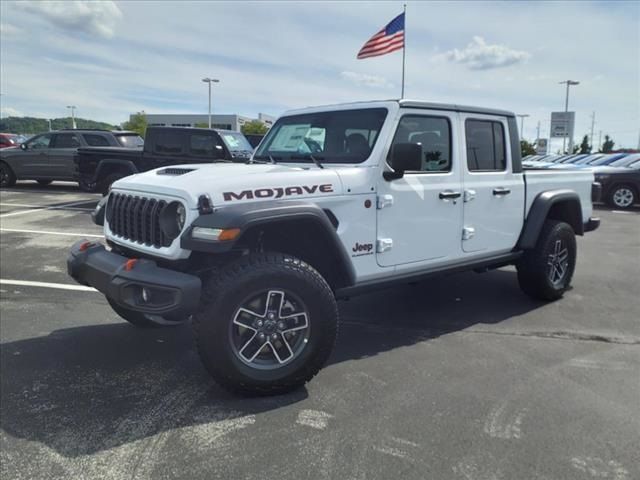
(66, 140)
(433, 135)
(95, 140)
(130, 141)
(486, 149)
(205, 145)
(168, 143)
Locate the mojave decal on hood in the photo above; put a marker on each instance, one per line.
(228, 183)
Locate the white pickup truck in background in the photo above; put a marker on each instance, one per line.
(336, 200)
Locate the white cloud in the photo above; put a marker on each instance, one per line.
(10, 112)
(8, 29)
(365, 80)
(93, 18)
(479, 55)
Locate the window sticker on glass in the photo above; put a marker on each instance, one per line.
(231, 140)
(290, 137)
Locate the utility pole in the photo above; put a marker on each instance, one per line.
(73, 116)
(600, 140)
(522, 117)
(566, 110)
(210, 81)
(49, 124)
(593, 123)
(538, 132)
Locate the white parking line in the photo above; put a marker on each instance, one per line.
(55, 207)
(44, 232)
(59, 286)
(623, 211)
(25, 205)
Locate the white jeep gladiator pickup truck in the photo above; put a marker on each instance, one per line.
(335, 201)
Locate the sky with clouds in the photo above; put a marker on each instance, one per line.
(114, 58)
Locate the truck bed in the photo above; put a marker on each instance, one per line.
(578, 180)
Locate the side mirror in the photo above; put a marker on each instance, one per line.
(23, 146)
(404, 157)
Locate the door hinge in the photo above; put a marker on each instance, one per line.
(468, 233)
(469, 195)
(384, 244)
(385, 201)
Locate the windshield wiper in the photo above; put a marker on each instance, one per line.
(257, 159)
(315, 160)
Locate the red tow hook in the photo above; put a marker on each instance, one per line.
(128, 266)
(85, 246)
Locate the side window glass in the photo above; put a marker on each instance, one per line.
(485, 146)
(433, 134)
(40, 142)
(168, 143)
(66, 140)
(94, 140)
(203, 145)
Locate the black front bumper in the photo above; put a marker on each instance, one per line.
(167, 293)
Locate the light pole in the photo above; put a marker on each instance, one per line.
(566, 110)
(73, 116)
(210, 81)
(522, 117)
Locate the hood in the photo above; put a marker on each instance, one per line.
(606, 170)
(231, 183)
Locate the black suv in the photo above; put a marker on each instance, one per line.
(49, 156)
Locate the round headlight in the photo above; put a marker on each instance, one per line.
(181, 216)
(172, 219)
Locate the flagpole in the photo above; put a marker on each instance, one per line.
(404, 47)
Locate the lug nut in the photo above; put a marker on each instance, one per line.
(271, 316)
(261, 336)
(274, 336)
(281, 325)
(259, 323)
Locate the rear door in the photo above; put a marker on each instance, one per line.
(493, 193)
(63, 148)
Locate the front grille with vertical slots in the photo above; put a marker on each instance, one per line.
(137, 219)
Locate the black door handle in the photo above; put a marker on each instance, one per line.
(449, 194)
(501, 191)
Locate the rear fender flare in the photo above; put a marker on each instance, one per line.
(567, 208)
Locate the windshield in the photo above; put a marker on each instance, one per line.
(344, 136)
(625, 161)
(130, 140)
(236, 142)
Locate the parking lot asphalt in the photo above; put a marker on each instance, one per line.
(461, 377)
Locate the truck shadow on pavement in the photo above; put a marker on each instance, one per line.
(92, 389)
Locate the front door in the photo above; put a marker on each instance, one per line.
(494, 195)
(34, 160)
(420, 214)
(61, 152)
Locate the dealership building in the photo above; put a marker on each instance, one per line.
(227, 122)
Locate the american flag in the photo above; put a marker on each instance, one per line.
(387, 40)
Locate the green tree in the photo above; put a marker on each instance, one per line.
(527, 148)
(254, 127)
(608, 144)
(137, 123)
(584, 146)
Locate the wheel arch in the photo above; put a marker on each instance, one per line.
(113, 165)
(562, 205)
(301, 229)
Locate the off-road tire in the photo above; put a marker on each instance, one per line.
(106, 183)
(86, 186)
(534, 268)
(44, 183)
(224, 293)
(611, 196)
(142, 320)
(7, 177)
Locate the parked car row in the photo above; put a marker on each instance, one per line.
(618, 173)
(97, 158)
